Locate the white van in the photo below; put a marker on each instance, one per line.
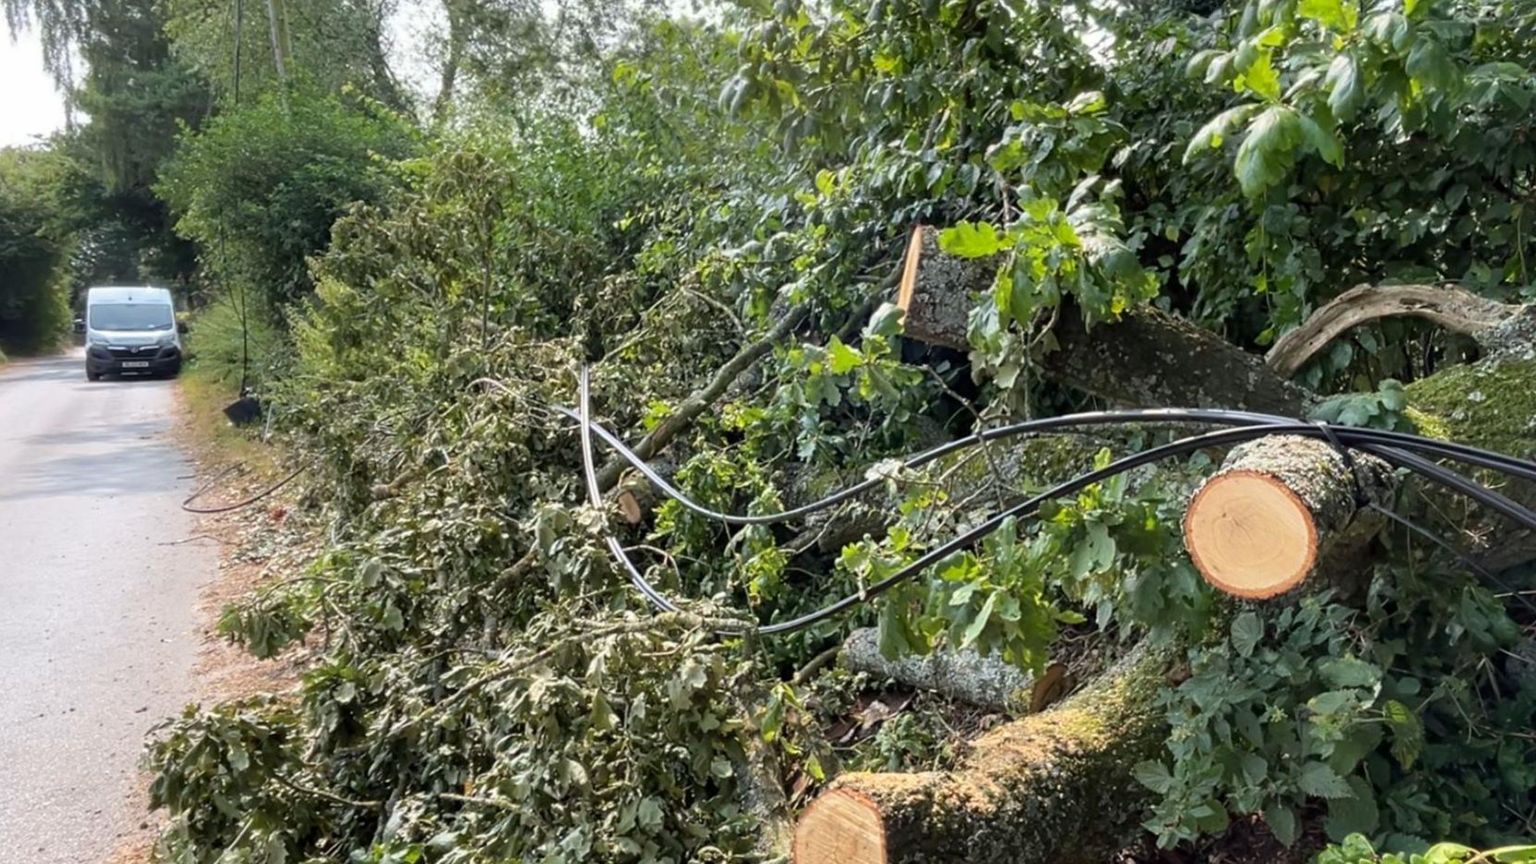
(131, 330)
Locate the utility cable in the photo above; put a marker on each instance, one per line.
(1392, 447)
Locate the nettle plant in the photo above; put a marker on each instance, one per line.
(1375, 712)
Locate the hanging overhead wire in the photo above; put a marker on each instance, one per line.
(1398, 449)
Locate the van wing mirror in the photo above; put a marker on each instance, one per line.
(181, 327)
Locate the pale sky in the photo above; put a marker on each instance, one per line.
(29, 104)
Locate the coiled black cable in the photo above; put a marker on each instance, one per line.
(1392, 447)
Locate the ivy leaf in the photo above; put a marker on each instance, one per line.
(1320, 781)
(971, 240)
(1247, 631)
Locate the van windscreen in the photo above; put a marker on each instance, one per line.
(131, 316)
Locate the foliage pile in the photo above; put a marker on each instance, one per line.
(490, 688)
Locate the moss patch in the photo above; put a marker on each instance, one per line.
(1486, 405)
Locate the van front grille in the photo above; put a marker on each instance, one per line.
(142, 352)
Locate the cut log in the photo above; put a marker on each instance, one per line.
(938, 290)
(1146, 358)
(635, 495)
(987, 682)
(1282, 511)
(1053, 787)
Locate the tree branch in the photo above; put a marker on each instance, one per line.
(1453, 308)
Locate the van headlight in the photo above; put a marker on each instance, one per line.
(168, 339)
(94, 339)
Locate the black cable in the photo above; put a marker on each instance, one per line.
(187, 504)
(1250, 427)
(1366, 440)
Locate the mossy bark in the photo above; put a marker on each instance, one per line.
(1054, 787)
(988, 682)
(1489, 404)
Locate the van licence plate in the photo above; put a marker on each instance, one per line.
(135, 364)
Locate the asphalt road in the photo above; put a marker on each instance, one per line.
(97, 614)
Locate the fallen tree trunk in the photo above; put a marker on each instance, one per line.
(987, 682)
(1053, 787)
(1284, 512)
(1146, 358)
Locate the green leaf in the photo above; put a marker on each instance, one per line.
(649, 814)
(1430, 65)
(971, 240)
(886, 321)
(1407, 732)
(1214, 132)
(1266, 154)
(842, 359)
(1333, 14)
(1343, 83)
(1154, 776)
(1350, 672)
(1324, 141)
(1356, 814)
(1331, 701)
(1320, 781)
(1282, 823)
(974, 630)
(1260, 79)
(1247, 631)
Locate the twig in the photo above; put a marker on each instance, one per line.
(724, 309)
(193, 538)
(329, 796)
(701, 400)
(815, 665)
(498, 803)
(622, 628)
